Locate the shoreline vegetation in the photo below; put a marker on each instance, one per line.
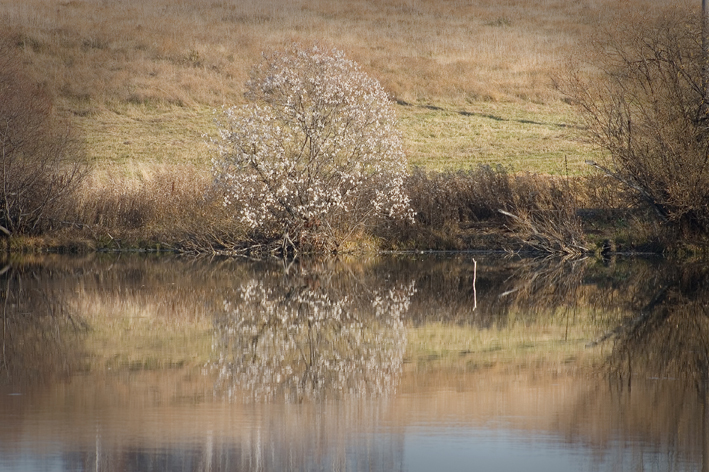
(124, 95)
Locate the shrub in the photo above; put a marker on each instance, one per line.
(539, 211)
(315, 155)
(173, 205)
(38, 154)
(646, 105)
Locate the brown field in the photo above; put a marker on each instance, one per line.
(473, 79)
(199, 52)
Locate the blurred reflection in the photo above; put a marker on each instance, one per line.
(666, 341)
(315, 356)
(41, 338)
(668, 338)
(317, 331)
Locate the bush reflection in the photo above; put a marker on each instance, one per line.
(320, 331)
(667, 337)
(41, 337)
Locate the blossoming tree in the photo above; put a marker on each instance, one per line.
(314, 156)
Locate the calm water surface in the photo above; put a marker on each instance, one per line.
(408, 363)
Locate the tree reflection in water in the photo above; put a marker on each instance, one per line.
(318, 331)
(669, 337)
(40, 336)
(667, 342)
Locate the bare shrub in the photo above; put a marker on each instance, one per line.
(39, 156)
(539, 210)
(465, 195)
(544, 215)
(315, 156)
(175, 206)
(646, 105)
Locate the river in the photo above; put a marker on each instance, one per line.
(409, 362)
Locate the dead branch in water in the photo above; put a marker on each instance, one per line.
(548, 233)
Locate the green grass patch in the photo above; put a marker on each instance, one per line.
(522, 136)
(448, 136)
(134, 134)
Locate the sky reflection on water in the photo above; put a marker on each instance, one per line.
(142, 364)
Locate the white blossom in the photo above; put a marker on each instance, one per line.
(315, 151)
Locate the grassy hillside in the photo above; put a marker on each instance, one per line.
(473, 79)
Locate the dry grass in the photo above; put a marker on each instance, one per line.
(141, 76)
(144, 204)
(455, 210)
(200, 51)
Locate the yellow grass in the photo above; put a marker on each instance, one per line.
(140, 77)
(201, 50)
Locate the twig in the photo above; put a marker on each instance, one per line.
(646, 196)
(475, 277)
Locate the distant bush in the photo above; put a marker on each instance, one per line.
(39, 157)
(315, 156)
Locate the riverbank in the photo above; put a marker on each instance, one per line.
(496, 151)
(603, 239)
